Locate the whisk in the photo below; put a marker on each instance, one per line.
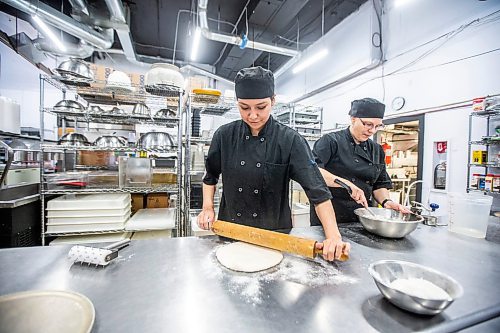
(95, 255)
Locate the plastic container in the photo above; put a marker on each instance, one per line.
(496, 183)
(474, 181)
(469, 213)
(488, 182)
(480, 183)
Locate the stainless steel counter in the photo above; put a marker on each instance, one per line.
(176, 285)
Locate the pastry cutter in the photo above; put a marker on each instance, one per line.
(270, 239)
(95, 255)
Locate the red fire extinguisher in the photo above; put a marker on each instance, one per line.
(388, 153)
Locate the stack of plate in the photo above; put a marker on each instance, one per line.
(88, 213)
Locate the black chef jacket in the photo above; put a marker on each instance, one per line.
(256, 171)
(363, 164)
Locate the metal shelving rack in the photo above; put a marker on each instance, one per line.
(489, 141)
(225, 107)
(306, 120)
(95, 92)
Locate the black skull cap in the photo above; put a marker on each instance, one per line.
(367, 108)
(254, 83)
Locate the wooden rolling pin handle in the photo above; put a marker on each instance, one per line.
(343, 257)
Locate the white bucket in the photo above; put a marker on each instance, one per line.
(469, 213)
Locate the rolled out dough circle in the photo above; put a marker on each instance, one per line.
(244, 257)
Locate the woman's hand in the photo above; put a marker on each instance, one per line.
(357, 194)
(395, 206)
(334, 248)
(206, 218)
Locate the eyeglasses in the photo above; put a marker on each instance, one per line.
(370, 126)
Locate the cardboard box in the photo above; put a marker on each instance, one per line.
(157, 200)
(137, 202)
(479, 156)
(97, 158)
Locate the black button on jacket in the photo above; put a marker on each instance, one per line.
(256, 171)
(363, 164)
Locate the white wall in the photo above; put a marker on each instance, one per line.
(20, 81)
(422, 85)
(428, 76)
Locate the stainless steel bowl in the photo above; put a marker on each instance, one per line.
(95, 109)
(75, 68)
(141, 109)
(118, 111)
(69, 106)
(155, 140)
(74, 139)
(387, 222)
(111, 141)
(386, 271)
(165, 113)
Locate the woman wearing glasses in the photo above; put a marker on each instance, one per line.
(351, 157)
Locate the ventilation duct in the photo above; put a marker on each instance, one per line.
(57, 19)
(81, 50)
(236, 40)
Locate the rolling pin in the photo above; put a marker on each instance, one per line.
(270, 239)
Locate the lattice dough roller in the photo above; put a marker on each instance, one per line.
(96, 256)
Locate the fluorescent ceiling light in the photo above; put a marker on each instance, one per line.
(49, 33)
(196, 43)
(310, 60)
(399, 3)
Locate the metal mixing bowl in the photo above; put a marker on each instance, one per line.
(155, 140)
(141, 109)
(69, 106)
(117, 111)
(387, 222)
(95, 109)
(75, 69)
(165, 113)
(111, 141)
(74, 139)
(386, 271)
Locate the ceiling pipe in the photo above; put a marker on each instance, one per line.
(190, 68)
(81, 50)
(236, 40)
(57, 19)
(117, 13)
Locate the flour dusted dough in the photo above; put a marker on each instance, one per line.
(244, 257)
(419, 288)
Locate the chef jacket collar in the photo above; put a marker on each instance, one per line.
(351, 138)
(266, 130)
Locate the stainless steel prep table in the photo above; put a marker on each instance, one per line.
(168, 285)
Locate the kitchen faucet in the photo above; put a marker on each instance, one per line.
(406, 201)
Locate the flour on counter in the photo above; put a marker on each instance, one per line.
(419, 288)
(312, 273)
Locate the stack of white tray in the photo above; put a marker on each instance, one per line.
(75, 213)
(152, 223)
(91, 239)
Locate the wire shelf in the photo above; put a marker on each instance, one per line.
(58, 148)
(160, 189)
(109, 118)
(474, 190)
(99, 92)
(485, 165)
(85, 233)
(485, 142)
